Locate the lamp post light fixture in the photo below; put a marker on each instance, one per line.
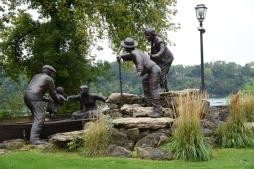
(201, 14)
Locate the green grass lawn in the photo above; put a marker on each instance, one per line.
(222, 159)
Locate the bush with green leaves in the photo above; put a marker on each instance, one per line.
(76, 143)
(187, 142)
(235, 133)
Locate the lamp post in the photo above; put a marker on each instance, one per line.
(201, 14)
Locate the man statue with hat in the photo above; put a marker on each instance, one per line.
(38, 86)
(87, 100)
(161, 55)
(144, 65)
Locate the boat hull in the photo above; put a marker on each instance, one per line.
(22, 130)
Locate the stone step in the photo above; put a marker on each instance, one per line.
(144, 123)
(166, 98)
(136, 110)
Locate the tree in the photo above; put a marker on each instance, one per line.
(66, 30)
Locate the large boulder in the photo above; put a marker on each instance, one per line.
(47, 147)
(152, 153)
(12, 144)
(61, 139)
(208, 132)
(177, 93)
(223, 113)
(121, 139)
(167, 99)
(113, 113)
(152, 140)
(133, 134)
(3, 151)
(126, 98)
(208, 124)
(251, 125)
(145, 122)
(216, 116)
(118, 151)
(136, 110)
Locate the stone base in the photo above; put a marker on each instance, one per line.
(144, 123)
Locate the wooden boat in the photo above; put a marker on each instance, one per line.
(10, 131)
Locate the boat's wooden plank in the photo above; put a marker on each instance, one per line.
(22, 130)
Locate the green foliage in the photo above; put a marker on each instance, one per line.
(97, 137)
(249, 88)
(76, 143)
(235, 133)
(129, 84)
(12, 98)
(187, 142)
(66, 30)
(221, 79)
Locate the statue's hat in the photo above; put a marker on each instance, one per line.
(49, 68)
(129, 43)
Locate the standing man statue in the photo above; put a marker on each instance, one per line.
(89, 101)
(161, 55)
(39, 85)
(144, 65)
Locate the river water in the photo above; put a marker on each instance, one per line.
(219, 101)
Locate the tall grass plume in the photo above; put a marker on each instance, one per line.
(235, 132)
(247, 106)
(187, 142)
(97, 137)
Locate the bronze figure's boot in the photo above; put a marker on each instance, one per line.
(157, 112)
(38, 142)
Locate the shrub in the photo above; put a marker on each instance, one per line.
(76, 143)
(235, 133)
(97, 137)
(187, 142)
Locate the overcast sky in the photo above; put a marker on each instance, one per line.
(229, 33)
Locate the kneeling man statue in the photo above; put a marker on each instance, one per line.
(89, 101)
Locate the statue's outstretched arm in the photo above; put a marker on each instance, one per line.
(73, 98)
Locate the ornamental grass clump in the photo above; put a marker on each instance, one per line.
(247, 106)
(247, 101)
(97, 137)
(235, 133)
(187, 142)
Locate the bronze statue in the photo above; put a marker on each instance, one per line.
(89, 101)
(33, 98)
(161, 55)
(144, 65)
(52, 105)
